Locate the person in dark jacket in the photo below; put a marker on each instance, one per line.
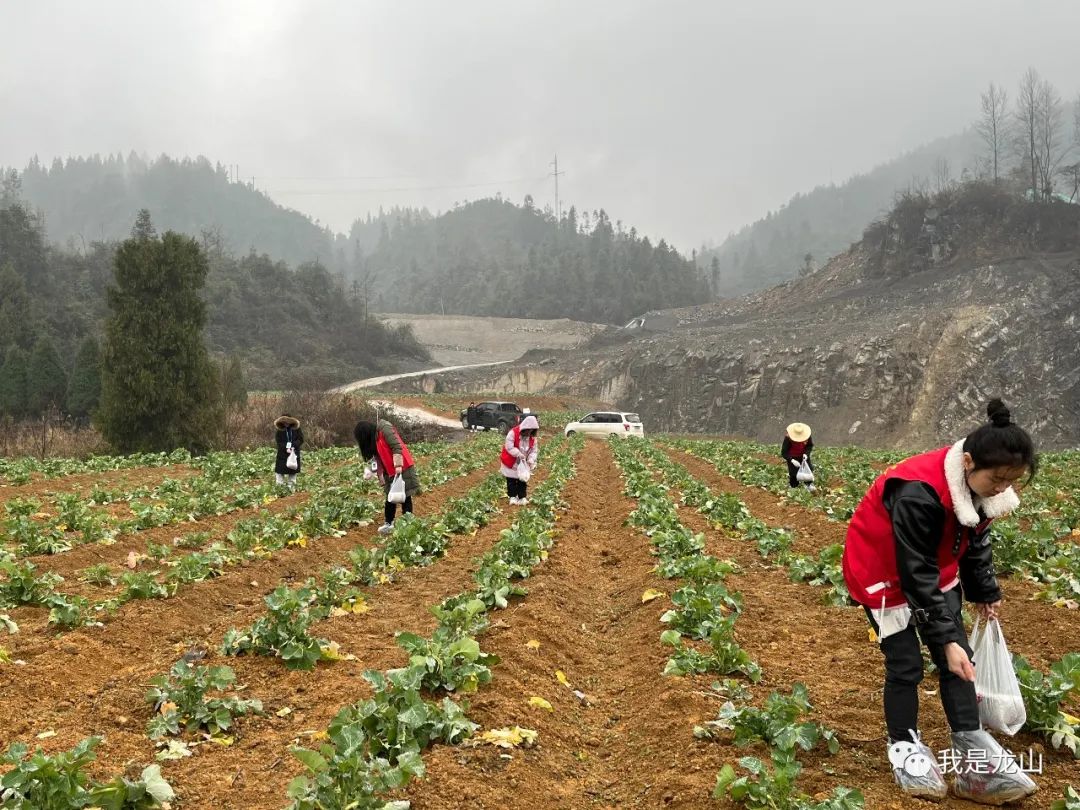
(797, 443)
(289, 437)
(382, 446)
(917, 545)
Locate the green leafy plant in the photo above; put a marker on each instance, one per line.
(1044, 696)
(448, 661)
(725, 656)
(777, 724)
(773, 788)
(100, 574)
(181, 704)
(1070, 802)
(60, 781)
(282, 632)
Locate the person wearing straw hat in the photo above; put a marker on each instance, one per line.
(797, 443)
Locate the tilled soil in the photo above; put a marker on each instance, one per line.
(627, 744)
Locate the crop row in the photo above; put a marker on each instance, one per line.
(1045, 694)
(704, 608)
(335, 507)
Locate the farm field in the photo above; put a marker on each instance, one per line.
(660, 611)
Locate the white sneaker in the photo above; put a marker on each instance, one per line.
(515, 501)
(386, 528)
(523, 501)
(810, 487)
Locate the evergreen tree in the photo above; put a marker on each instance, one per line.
(46, 380)
(13, 382)
(16, 323)
(84, 389)
(158, 390)
(233, 386)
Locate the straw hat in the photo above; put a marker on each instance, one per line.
(798, 432)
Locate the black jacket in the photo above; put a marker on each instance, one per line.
(283, 434)
(918, 520)
(785, 448)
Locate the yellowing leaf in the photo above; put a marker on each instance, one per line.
(222, 740)
(46, 734)
(300, 541)
(285, 711)
(509, 737)
(873, 635)
(332, 652)
(61, 527)
(1075, 721)
(560, 676)
(540, 703)
(167, 707)
(533, 644)
(650, 595)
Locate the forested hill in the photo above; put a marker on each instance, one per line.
(829, 219)
(288, 326)
(492, 257)
(95, 199)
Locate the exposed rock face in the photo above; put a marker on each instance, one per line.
(872, 361)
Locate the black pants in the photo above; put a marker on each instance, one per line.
(390, 508)
(516, 488)
(904, 672)
(792, 471)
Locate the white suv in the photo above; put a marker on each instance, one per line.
(604, 423)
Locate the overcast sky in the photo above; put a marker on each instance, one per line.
(686, 119)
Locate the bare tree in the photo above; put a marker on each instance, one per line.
(1050, 142)
(942, 175)
(993, 126)
(1027, 119)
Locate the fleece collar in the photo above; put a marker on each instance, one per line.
(965, 503)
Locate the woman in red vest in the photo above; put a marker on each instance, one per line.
(383, 446)
(917, 544)
(519, 448)
(797, 443)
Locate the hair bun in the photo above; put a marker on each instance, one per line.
(998, 413)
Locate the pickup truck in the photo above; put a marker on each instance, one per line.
(500, 416)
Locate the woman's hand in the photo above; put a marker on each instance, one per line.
(959, 663)
(988, 610)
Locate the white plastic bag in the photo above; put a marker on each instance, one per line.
(524, 472)
(291, 461)
(805, 475)
(1001, 705)
(397, 490)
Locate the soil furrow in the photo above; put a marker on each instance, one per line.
(794, 637)
(631, 746)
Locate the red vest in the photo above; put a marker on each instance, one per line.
(796, 449)
(870, 548)
(505, 457)
(386, 455)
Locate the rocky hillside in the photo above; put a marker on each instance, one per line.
(944, 303)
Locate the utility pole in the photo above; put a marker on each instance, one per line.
(555, 174)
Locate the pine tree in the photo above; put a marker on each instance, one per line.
(13, 383)
(158, 390)
(46, 380)
(84, 388)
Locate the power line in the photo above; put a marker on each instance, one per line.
(408, 188)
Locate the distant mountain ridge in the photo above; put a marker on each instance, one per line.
(95, 199)
(829, 219)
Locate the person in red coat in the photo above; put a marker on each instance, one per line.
(918, 543)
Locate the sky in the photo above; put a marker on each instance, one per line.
(686, 119)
